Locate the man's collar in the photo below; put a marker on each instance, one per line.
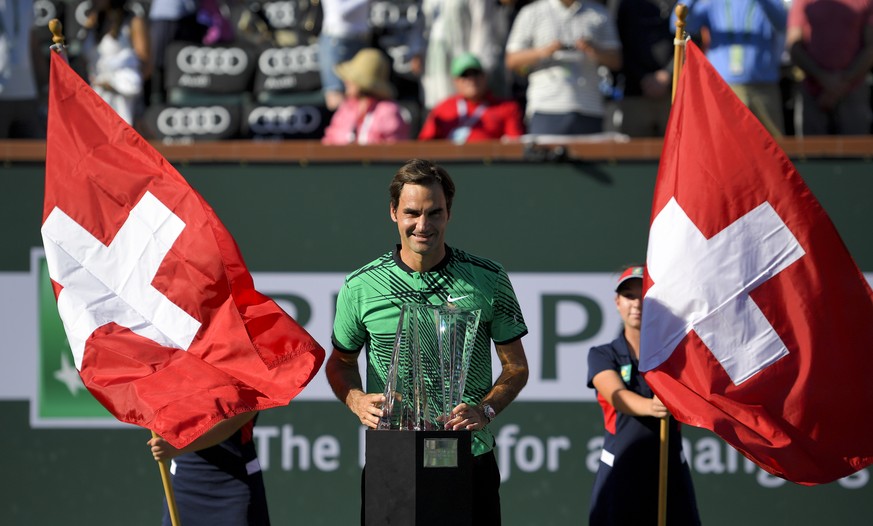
(439, 266)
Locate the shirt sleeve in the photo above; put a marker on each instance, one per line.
(600, 359)
(519, 36)
(508, 324)
(349, 333)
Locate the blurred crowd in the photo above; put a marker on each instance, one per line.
(371, 71)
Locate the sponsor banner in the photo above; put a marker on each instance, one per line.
(286, 122)
(207, 69)
(190, 123)
(287, 70)
(566, 314)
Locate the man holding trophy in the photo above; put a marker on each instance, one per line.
(422, 270)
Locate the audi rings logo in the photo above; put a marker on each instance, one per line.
(391, 14)
(43, 12)
(281, 15)
(288, 60)
(212, 60)
(288, 120)
(81, 11)
(200, 120)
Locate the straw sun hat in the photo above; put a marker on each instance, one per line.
(369, 70)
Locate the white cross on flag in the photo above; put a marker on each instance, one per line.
(757, 324)
(166, 328)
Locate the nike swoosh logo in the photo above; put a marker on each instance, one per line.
(450, 299)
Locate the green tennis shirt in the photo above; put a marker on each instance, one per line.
(369, 303)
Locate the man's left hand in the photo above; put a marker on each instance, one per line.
(469, 417)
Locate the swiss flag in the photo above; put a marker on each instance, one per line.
(161, 314)
(757, 324)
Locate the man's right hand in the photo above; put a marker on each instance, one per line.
(368, 407)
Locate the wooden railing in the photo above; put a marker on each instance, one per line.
(305, 152)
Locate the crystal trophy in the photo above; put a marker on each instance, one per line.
(432, 350)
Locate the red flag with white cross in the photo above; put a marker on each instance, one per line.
(161, 314)
(757, 323)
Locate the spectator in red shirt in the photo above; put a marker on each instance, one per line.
(473, 113)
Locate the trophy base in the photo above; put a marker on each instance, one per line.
(418, 477)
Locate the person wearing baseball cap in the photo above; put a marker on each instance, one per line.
(630, 273)
(473, 113)
(626, 485)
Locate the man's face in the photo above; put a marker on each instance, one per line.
(421, 216)
(629, 301)
(471, 85)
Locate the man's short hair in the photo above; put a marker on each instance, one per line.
(424, 173)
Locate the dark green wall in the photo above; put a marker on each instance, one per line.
(530, 217)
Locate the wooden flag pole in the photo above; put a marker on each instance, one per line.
(679, 46)
(662, 473)
(58, 42)
(678, 61)
(168, 490)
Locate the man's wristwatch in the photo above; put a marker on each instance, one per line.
(489, 412)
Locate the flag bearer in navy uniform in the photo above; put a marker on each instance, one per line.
(217, 479)
(626, 486)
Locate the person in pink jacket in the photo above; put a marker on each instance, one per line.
(368, 115)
